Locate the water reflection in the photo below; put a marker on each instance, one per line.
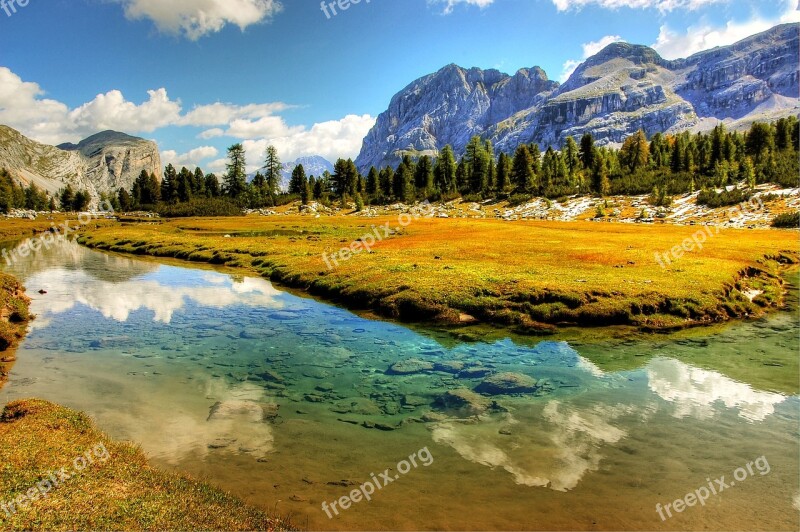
(700, 393)
(229, 378)
(117, 286)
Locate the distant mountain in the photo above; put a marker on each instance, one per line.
(623, 88)
(313, 165)
(104, 162)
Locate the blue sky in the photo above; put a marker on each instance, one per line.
(199, 75)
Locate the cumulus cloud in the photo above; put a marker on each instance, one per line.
(191, 159)
(589, 49)
(224, 113)
(332, 139)
(672, 44)
(197, 18)
(661, 5)
(23, 106)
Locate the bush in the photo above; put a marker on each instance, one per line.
(519, 199)
(789, 220)
(712, 198)
(199, 207)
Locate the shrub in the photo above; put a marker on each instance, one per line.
(789, 220)
(200, 207)
(712, 198)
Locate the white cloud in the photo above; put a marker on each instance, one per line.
(223, 113)
(211, 133)
(589, 49)
(675, 44)
(332, 139)
(197, 18)
(267, 126)
(661, 5)
(23, 107)
(450, 4)
(191, 159)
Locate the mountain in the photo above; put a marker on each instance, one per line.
(104, 162)
(313, 165)
(623, 88)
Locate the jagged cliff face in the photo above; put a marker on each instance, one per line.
(115, 160)
(103, 163)
(449, 107)
(613, 94)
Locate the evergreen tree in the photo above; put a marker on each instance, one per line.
(272, 171)
(522, 170)
(423, 175)
(444, 173)
(236, 175)
(212, 186)
(503, 174)
(298, 180)
(373, 183)
(169, 184)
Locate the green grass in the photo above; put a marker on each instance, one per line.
(14, 313)
(119, 493)
(530, 276)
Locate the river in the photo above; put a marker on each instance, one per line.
(288, 403)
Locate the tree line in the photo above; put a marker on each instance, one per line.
(661, 166)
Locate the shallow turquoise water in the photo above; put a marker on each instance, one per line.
(193, 363)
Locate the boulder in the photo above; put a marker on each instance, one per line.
(410, 367)
(507, 384)
(463, 402)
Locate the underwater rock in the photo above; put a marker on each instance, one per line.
(434, 417)
(415, 401)
(270, 376)
(449, 366)
(255, 411)
(409, 367)
(507, 384)
(463, 402)
(358, 406)
(475, 373)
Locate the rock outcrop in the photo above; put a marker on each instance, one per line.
(102, 163)
(623, 88)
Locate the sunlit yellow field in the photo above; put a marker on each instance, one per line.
(531, 275)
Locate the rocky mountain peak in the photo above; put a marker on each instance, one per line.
(619, 90)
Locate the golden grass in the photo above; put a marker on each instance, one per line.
(530, 275)
(119, 493)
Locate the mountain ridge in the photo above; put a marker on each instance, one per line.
(619, 90)
(101, 163)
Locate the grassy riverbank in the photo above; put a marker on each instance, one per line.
(117, 491)
(122, 492)
(532, 276)
(14, 317)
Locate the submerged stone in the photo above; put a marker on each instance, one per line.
(463, 402)
(410, 367)
(449, 366)
(507, 384)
